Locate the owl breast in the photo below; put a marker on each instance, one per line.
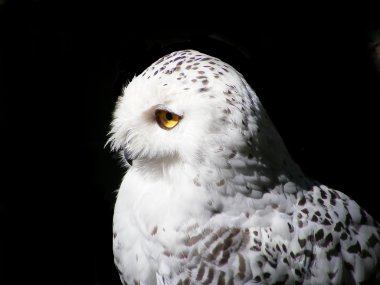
(152, 217)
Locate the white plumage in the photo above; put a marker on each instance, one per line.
(213, 197)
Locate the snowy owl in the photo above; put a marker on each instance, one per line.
(212, 196)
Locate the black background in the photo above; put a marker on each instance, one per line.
(63, 65)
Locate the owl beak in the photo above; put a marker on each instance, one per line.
(127, 157)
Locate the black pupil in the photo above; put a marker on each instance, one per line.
(169, 116)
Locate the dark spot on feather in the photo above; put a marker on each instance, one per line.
(319, 235)
(372, 241)
(348, 219)
(326, 222)
(331, 275)
(302, 242)
(333, 252)
(348, 266)
(154, 231)
(308, 253)
(266, 275)
(338, 227)
(255, 248)
(365, 253)
(328, 240)
(204, 89)
(257, 279)
(233, 153)
(302, 201)
(354, 248)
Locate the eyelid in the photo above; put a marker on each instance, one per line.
(161, 107)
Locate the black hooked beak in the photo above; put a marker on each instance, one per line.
(127, 157)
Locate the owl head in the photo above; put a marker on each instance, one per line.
(192, 108)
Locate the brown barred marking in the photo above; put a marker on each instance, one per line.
(210, 276)
(215, 252)
(242, 267)
(225, 257)
(201, 272)
(214, 237)
(221, 279)
(194, 239)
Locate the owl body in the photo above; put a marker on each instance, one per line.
(213, 197)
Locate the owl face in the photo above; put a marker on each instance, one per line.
(183, 108)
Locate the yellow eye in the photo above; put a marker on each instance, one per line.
(167, 120)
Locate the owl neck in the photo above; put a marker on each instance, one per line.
(256, 163)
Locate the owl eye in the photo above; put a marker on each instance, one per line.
(167, 120)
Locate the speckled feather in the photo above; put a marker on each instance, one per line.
(218, 199)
